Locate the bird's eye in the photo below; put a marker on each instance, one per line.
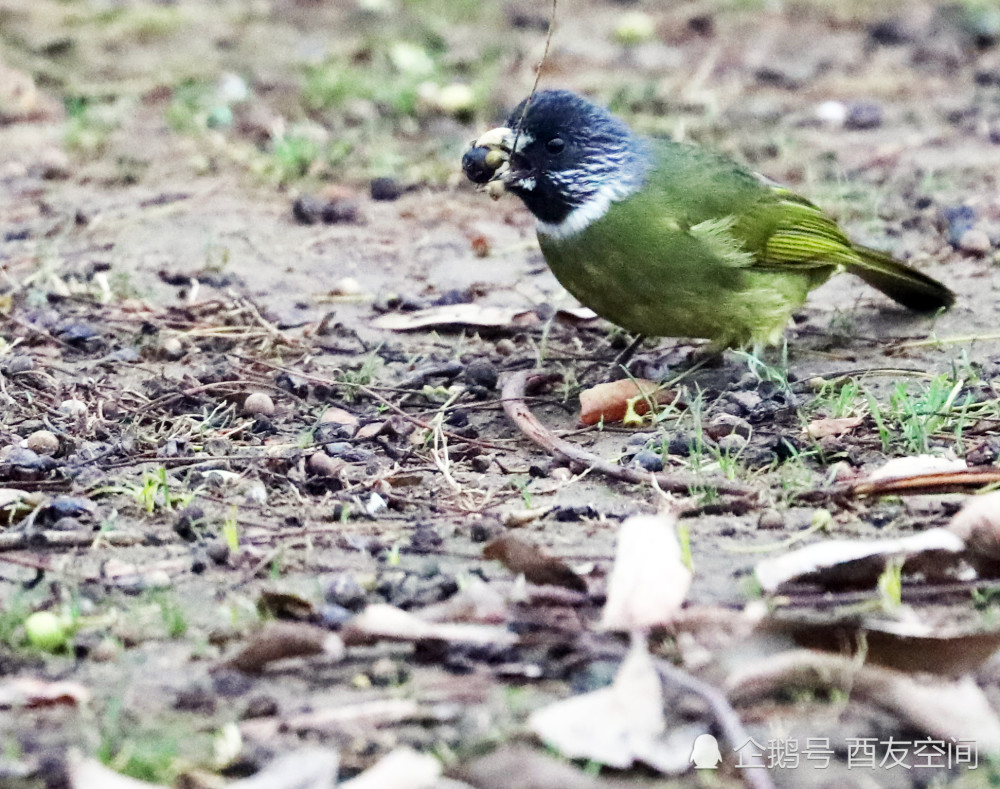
(555, 145)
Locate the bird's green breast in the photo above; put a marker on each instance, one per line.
(678, 258)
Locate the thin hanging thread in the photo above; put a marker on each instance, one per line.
(538, 71)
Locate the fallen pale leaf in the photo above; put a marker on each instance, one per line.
(978, 524)
(20, 692)
(838, 563)
(821, 428)
(475, 601)
(648, 582)
(380, 621)
(305, 768)
(617, 725)
(402, 768)
(916, 465)
(610, 401)
(941, 708)
(452, 315)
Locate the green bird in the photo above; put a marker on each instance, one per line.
(668, 239)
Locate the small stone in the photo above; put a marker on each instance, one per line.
(770, 520)
(345, 591)
(481, 463)
(384, 672)
(307, 209)
(732, 444)
(73, 407)
(482, 373)
(561, 474)
(333, 617)
(53, 164)
(217, 551)
(648, 460)
(323, 465)
(172, 348)
(505, 347)
(375, 505)
(747, 400)
(258, 403)
(43, 442)
(975, 242)
(863, 115)
(385, 189)
(832, 113)
(726, 424)
(681, 445)
(19, 364)
(959, 219)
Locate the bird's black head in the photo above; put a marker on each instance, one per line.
(570, 153)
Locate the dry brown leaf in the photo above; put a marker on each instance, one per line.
(29, 692)
(402, 768)
(648, 582)
(821, 428)
(904, 645)
(617, 725)
(521, 557)
(385, 621)
(940, 708)
(840, 563)
(610, 401)
(453, 315)
(281, 640)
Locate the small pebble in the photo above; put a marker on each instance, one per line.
(506, 347)
(19, 364)
(863, 115)
(73, 407)
(648, 460)
(770, 520)
(375, 505)
(172, 348)
(725, 424)
(975, 242)
(345, 591)
(732, 444)
(832, 113)
(323, 465)
(482, 373)
(385, 189)
(43, 442)
(258, 403)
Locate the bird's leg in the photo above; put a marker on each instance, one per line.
(622, 359)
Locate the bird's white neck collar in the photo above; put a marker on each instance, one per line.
(581, 217)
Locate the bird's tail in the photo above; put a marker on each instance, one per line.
(900, 282)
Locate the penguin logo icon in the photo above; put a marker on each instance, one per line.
(705, 753)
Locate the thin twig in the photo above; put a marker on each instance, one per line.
(513, 400)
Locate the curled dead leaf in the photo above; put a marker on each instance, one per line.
(520, 556)
(648, 582)
(281, 640)
(612, 401)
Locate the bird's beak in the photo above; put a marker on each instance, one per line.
(487, 161)
(498, 139)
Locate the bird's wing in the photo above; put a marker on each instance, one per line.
(800, 235)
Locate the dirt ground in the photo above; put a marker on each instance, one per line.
(200, 202)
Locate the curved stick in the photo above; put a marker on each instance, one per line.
(512, 398)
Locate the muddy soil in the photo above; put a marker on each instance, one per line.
(164, 174)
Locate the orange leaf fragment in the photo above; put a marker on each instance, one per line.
(610, 401)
